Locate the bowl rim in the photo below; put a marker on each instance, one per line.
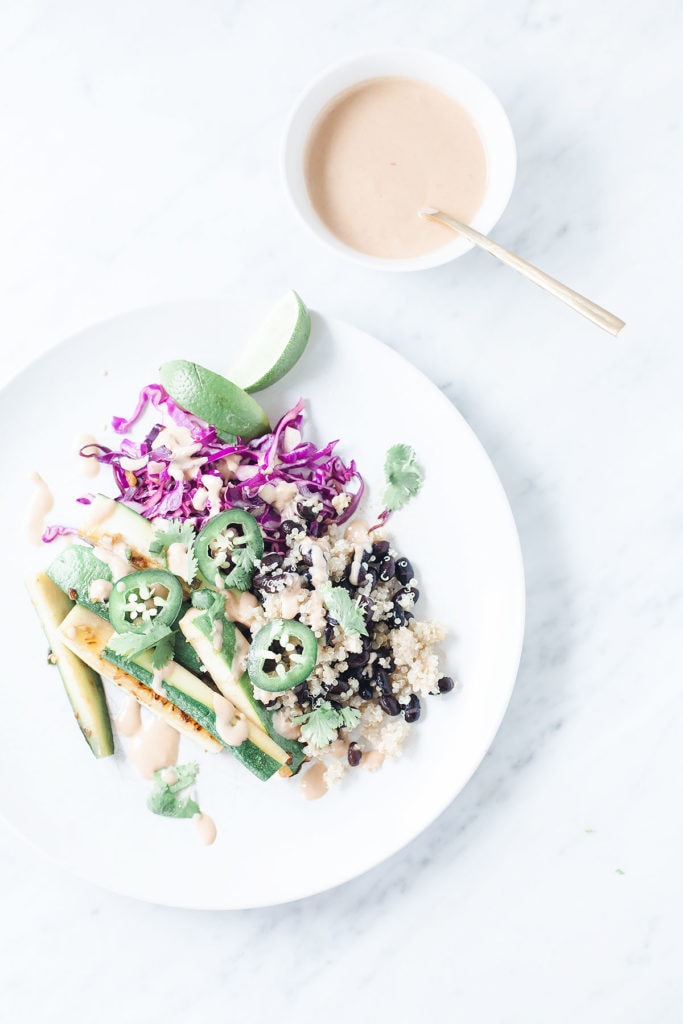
(496, 133)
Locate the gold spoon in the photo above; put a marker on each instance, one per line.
(601, 317)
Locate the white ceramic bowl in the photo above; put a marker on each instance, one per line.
(469, 91)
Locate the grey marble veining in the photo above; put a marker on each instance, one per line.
(140, 164)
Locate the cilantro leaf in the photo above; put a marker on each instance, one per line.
(130, 644)
(163, 651)
(186, 774)
(349, 717)
(403, 476)
(342, 608)
(204, 599)
(169, 800)
(212, 604)
(319, 727)
(176, 532)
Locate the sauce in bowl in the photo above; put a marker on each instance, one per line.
(384, 149)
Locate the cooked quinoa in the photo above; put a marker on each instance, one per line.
(384, 674)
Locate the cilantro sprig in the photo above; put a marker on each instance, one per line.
(171, 800)
(403, 476)
(130, 644)
(320, 726)
(342, 608)
(176, 532)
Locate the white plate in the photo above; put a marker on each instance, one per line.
(272, 846)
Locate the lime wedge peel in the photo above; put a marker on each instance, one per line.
(275, 347)
(214, 399)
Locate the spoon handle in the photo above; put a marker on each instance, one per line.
(601, 317)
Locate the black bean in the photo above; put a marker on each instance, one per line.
(306, 561)
(302, 693)
(289, 526)
(339, 687)
(358, 659)
(398, 616)
(410, 594)
(379, 549)
(367, 606)
(384, 654)
(368, 574)
(445, 684)
(389, 704)
(365, 690)
(412, 711)
(382, 681)
(354, 754)
(404, 571)
(306, 512)
(271, 560)
(270, 583)
(387, 569)
(329, 634)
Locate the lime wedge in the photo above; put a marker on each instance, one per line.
(211, 397)
(275, 347)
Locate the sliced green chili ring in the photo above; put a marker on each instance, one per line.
(136, 604)
(271, 666)
(226, 549)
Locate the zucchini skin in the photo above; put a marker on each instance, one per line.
(83, 686)
(261, 764)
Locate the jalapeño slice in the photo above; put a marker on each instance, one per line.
(226, 549)
(282, 654)
(144, 600)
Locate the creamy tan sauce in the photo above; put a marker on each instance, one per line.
(384, 150)
(99, 590)
(313, 784)
(372, 760)
(283, 724)
(231, 725)
(155, 746)
(357, 533)
(176, 559)
(338, 748)
(129, 721)
(113, 554)
(40, 504)
(278, 495)
(199, 499)
(213, 486)
(184, 450)
(206, 827)
(290, 599)
(88, 465)
(241, 606)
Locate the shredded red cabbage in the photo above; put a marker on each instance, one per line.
(147, 475)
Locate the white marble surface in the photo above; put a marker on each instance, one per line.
(139, 164)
